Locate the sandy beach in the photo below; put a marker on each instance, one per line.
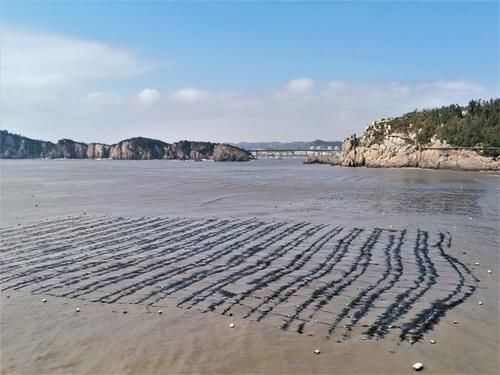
(367, 266)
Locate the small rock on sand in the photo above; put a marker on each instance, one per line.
(432, 341)
(489, 271)
(231, 325)
(479, 303)
(317, 351)
(44, 300)
(77, 309)
(160, 312)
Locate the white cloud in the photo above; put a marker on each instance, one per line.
(301, 85)
(190, 95)
(330, 111)
(51, 87)
(148, 97)
(34, 60)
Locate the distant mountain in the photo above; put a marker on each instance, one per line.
(299, 145)
(14, 146)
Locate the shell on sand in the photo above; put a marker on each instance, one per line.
(417, 366)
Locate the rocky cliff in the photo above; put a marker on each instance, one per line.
(397, 151)
(452, 137)
(223, 152)
(98, 151)
(13, 146)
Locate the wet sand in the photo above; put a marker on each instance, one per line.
(297, 257)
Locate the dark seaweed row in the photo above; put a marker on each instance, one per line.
(261, 282)
(49, 247)
(149, 248)
(9, 234)
(163, 256)
(165, 275)
(427, 318)
(21, 246)
(178, 244)
(297, 263)
(101, 247)
(326, 293)
(97, 242)
(363, 301)
(280, 296)
(234, 261)
(404, 301)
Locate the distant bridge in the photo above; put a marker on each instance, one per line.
(290, 153)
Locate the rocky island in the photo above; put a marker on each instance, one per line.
(13, 146)
(452, 137)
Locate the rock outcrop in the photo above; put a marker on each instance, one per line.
(98, 151)
(13, 146)
(450, 137)
(333, 159)
(224, 152)
(68, 149)
(399, 150)
(138, 149)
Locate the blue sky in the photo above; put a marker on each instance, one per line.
(253, 51)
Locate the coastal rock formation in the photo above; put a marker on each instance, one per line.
(333, 159)
(138, 149)
(68, 149)
(396, 152)
(13, 146)
(453, 137)
(186, 150)
(223, 152)
(98, 151)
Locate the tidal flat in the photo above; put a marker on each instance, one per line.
(203, 267)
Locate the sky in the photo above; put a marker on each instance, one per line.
(237, 71)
